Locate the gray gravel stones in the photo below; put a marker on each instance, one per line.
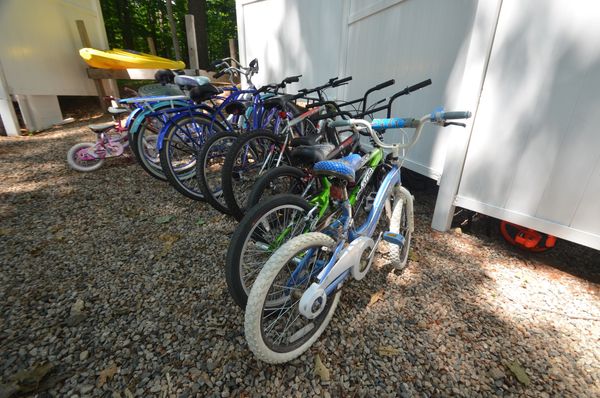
(125, 306)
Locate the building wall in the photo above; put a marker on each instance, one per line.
(39, 45)
(534, 154)
(529, 72)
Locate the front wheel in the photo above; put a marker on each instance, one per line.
(283, 179)
(263, 230)
(247, 159)
(80, 159)
(275, 330)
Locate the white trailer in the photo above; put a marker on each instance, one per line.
(529, 72)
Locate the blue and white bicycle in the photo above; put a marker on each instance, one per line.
(298, 289)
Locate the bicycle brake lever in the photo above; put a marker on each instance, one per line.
(454, 124)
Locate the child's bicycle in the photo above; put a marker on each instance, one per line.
(298, 289)
(111, 141)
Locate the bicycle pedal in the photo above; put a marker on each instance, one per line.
(394, 238)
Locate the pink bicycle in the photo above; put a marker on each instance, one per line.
(111, 141)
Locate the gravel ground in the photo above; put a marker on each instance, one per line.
(113, 284)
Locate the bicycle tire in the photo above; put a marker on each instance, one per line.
(246, 235)
(254, 144)
(264, 301)
(265, 183)
(183, 178)
(212, 195)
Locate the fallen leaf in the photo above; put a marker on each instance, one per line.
(128, 393)
(412, 256)
(4, 232)
(320, 369)
(200, 222)
(164, 219)
(107, 374)
(169, 240)
(519, 372)
(388, 351)
(375, 297)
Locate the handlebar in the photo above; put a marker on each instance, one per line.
(339, 82)
(438, 117)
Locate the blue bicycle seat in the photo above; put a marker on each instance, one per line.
(344, 168)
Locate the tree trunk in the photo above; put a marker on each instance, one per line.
(198, 9)
(127, 27)
(173, 30)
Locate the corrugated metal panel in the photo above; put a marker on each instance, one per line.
(534, 148)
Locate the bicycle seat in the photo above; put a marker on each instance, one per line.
(202, 93)
(306, 140)
(278, 100)
(344, 168)
(191, 81)
(311, 154)
(117, 111)
(101, 127)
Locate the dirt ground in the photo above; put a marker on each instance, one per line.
(112, 284)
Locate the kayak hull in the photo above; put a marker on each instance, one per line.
(126, 59)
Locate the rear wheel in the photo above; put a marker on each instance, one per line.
(275, 330)
(399, 224)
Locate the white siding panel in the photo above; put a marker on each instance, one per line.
(533, 153)
(411, 41)
(291, 37)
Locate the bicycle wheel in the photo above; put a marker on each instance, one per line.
(79, 158)
(264, 228)
(284, 179)
(180, 146)
(250, 157)
(399, 224)
(275, 330)
(145, 148)
(211, 158)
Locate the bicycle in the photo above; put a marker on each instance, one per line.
(254, 154)
(262, 231)
(111, 141)
(185, 133)
(298, 289)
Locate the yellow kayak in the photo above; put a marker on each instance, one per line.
(125, 59)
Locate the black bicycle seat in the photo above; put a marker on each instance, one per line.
(311, 154)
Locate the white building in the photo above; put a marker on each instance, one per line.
(528, 70)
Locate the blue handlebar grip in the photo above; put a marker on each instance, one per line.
(340, 123)
(393, 123)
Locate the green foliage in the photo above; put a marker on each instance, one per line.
(129, 22)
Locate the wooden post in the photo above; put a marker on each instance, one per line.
(85, 41)
(151, 45)
(190, 31)
(232, 50)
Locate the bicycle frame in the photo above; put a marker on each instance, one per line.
(212, 114)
